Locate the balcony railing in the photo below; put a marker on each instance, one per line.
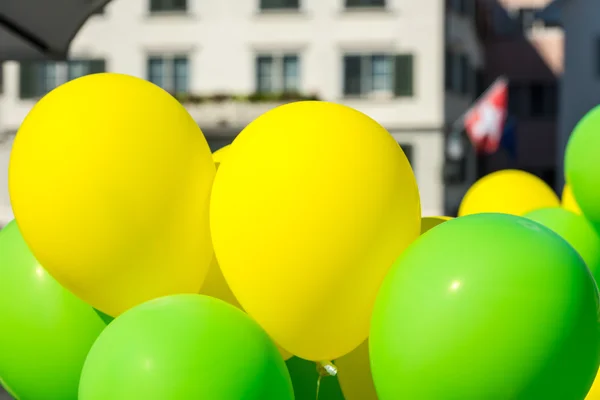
(223, 111)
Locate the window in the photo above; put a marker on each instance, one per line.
(479, 82)
(543, 100)
(279, 4)
(365, 3)
(278, 73)
(517, 99)
(168, 5)
(38, 78)
(459, 76)
(378, 74)
(465, 74)
(170, 73)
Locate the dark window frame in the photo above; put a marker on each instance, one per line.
(279, 5)
(277, 59)
(362, 4)
(30, 74)
(172, 59)
(402, 66)
(168, 6)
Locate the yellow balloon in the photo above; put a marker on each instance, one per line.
(220, 154)
(594, 393)
(110, 181)
(215, 284)
(431, 222)
(509, 192)
(354, 374)
(568, 201)
(310, 208)
(354, 369)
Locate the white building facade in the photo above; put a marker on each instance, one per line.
(232, 59)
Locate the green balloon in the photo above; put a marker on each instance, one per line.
(7, 389)
(105, 317)
(486, 306)
(576, 230)
(46, 331)
(304, 379)
(184, 347)
(582, 169)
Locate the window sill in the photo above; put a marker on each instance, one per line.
(369, 10)
(33, 99)
(375, 99)
(292, 12)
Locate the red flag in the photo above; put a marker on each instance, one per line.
(484, 122)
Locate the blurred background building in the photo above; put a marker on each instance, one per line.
(414, 66)
(230, 61)
(529, 53)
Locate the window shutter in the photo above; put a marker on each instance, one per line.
(404, 75)
(156, 5)
(28, 79)
(97, 66)
(353, 75)
(179, 5)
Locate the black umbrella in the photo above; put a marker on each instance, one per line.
(42, 29)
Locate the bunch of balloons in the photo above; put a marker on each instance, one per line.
(292, 264)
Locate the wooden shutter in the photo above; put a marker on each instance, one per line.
(404, 75)
(28, 80)
(365, 3)
(97, 66)
(353, 75)
(179, 5)
(156, 5)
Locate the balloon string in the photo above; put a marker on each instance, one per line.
(318, 386)
(324, 368)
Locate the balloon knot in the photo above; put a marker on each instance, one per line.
(326, 368)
